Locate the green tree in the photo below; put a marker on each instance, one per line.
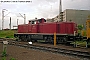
(80, 27)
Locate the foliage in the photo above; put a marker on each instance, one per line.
(12, 59)
(80, 27)
(84, 33)
(4, 53)
(4, 58)
(81, 43)
(7, 33)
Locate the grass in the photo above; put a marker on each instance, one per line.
(12, 59)
(4, 55)
(4, 58)
(7, 33)
(81, 43)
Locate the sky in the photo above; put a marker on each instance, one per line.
(37, 8)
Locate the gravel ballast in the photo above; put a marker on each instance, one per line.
(27, 54)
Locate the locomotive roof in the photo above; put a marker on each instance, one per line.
(35, 19)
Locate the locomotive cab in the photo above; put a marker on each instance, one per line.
(36, 21)
(32, 22)
(42, 20)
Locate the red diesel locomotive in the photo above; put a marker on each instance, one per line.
(39, 29)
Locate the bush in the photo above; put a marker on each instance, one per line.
(6, 37)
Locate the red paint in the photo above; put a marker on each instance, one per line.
(66, 27)
(23, 28)
(58, 27)
(34, 28)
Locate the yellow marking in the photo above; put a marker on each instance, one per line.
(88, 28)
(55, 39)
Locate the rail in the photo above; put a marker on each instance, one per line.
(55, 50)
(52, 49)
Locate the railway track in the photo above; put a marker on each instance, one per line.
(54, 50)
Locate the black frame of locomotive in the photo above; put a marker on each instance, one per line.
(60, 38)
